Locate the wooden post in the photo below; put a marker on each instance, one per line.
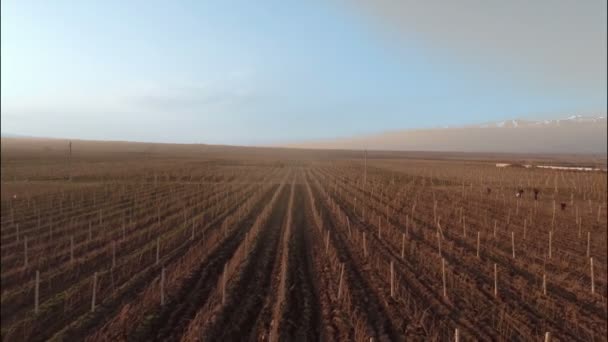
(445, 291)
(340, 282)
(157, 250)
(513, 243)
(402, 245)
(379, 228)
(162, 287)
(599, 211)
(547, 337)
(495, 281)
(25, 259)
(456, 335)
(326, 242)
(36, 292)
(392, 279)
(478, 240)
(592, 280)
(94, 292)
(550, 243)
(545, 284)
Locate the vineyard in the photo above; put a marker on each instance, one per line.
(151, 244)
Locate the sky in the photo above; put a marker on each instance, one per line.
(263, 72)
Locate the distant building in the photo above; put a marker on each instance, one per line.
(502, 165)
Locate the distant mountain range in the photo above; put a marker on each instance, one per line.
(573, 134)
(577, 134)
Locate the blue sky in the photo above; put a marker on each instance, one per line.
(246, 72)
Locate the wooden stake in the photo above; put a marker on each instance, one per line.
(495, 229)
(326, 242)
(94, 292)
(157, 250)
(445, 291)
(25, 259)
(478, 240)
(588, 244)
(364, 246)
(547, 337)
(348, 225)
(402, 245)
(72, 249)
(550, 243)
(340, 282)
(495, 281)
(545, 284)
(553, 218)
(224, 284)
(392, 279)
(439, 243)
(456, 335)
(113, 254)
(162, 287)
(513, 243)
(592, 280)
(36, 292)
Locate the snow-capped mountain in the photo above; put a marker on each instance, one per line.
(572, 119)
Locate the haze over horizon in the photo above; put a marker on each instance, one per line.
(257, 74)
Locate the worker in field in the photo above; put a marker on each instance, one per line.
(536, 192)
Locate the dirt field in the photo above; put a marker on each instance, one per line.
(142, 242)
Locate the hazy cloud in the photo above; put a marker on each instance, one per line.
(561, 41)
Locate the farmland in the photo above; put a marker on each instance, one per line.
(126, 241)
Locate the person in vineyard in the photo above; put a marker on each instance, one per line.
(536, 192)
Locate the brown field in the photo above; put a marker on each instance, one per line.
(142, 242)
